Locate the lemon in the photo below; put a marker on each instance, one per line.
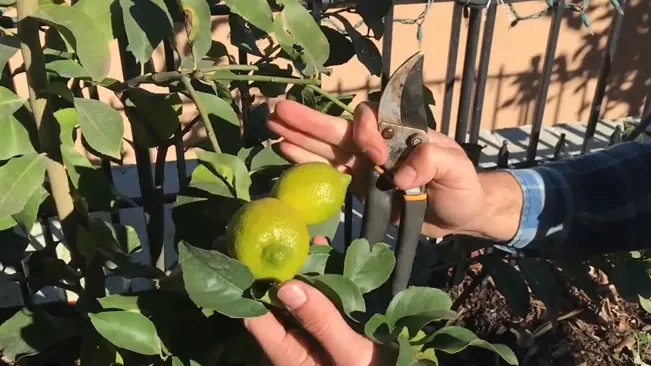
(315, 190)
(270, 238)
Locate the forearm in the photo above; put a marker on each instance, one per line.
(600, 202)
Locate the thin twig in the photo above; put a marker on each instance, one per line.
(332, 98)
(203, 112)
(262, 78)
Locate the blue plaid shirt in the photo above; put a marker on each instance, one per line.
(595, 203)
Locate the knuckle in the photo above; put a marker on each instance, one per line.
(318, 325)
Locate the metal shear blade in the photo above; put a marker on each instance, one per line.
(402, 121)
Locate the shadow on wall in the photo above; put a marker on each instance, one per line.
(629, 79)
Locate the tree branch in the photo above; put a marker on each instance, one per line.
(332, 98)
(203, 112)
(48, 132)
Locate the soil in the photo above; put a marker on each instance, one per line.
(608, 333)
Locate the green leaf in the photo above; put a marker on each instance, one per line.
(27, 217)
(101, 125)
(28, 333)
(544, 285)
(366, 51)
(82, 32)
(406, 355)
(120, 302)
(88, 179)
(14, 139)
(146, 23)
(341, 48)
(99, 11)
(9, 103)
(19, 178)
(509, 283)
(266, 158)
(414, 323)
(218, 107)
(325, 105)
(229, 169)
(341, 291)
(416, 301)
(216, 281)
(316, 260)
(199, 24)
(377, 329)
(7, 222)
(153, 116)
(256, 12)
(373, 12)
(454, 339)
(295, 28)
(8, 48)
(206, 180)
(368, 267)
(66, 68)
(128, 330)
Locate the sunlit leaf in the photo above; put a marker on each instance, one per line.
(317, 259)
(416, 300)
(368, 267)
(216, 281)
(19, 178)
(101, 125)
(67, 68)
(128, 330)
(218, 107)
(378, 330)
(256, 12)
(8, 48)
(225, 168)
(84, 35)
(146, 23)
(341, 291)
(295, 30)
(99, 11)
(454, 339)
(199, 26)
(9, 103)
(14, 139)
(267, 157)
(27, 216)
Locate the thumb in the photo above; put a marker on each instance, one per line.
(320, 317)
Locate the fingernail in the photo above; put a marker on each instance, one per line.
(405, 176)
(292, 296)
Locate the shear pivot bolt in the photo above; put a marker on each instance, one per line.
(415, 140)
(388, 133)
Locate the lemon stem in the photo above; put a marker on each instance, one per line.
(332, 98)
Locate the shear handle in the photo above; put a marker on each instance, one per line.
(377, 211)
(411, 223)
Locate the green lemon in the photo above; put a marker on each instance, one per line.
(270, 238)
(315, 190)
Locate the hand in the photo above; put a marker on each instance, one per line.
(338, 344)
(457, 196)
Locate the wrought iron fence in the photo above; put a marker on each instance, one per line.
(469, 109)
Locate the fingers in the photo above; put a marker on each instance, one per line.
(282, 348)
(320, 126)
(432, 162)
(320, 317)
(299, 155)
(366, 135)
(316, 146)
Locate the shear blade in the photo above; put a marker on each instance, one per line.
(403, 102)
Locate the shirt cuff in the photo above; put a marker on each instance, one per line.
(533, 202)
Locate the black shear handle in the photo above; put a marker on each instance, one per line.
(411, 223)
(377, 210)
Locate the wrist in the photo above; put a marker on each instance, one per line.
(502, 207)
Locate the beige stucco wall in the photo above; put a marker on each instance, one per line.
(514, 71)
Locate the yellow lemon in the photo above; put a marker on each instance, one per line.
(315, 190)
(270, 238)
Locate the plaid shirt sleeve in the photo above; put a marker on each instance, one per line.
(598, 202)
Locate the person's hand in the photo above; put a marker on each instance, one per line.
(457, 199)
(338, 344)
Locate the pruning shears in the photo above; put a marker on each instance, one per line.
(402, 121)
